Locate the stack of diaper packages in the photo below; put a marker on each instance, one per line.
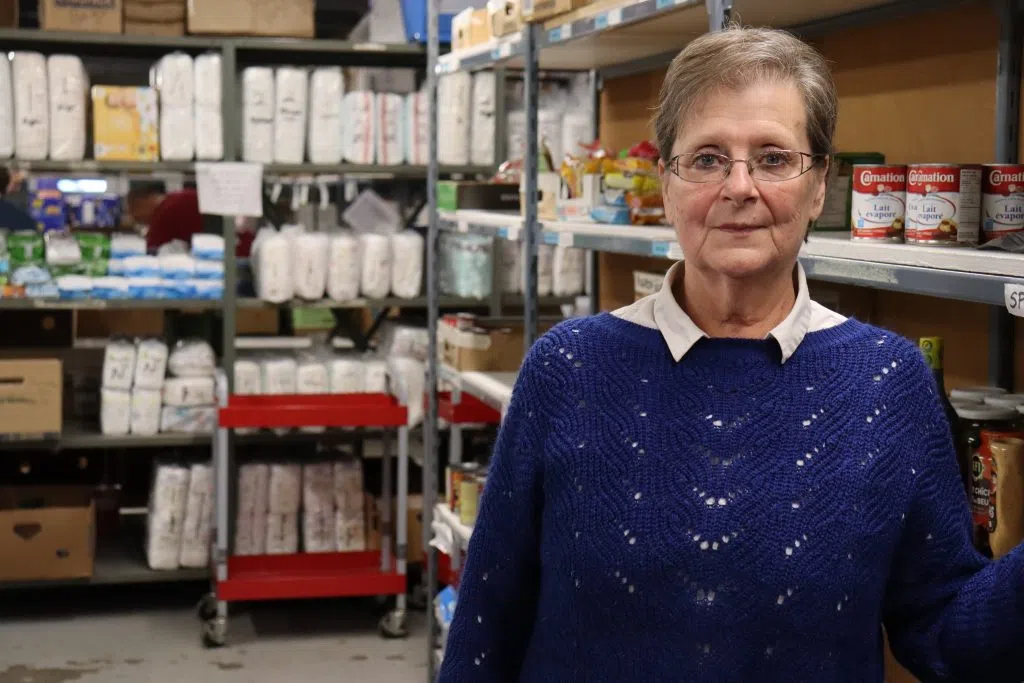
(283, 504)
(208, 114)
(391, 259)
(253, 500)
(208, 256)
(189, 393)
(318, 508)
(169, 500)
(349, 498)
(174, 77)
(197, 529)
(133, 377)
(175, 272)
(325, 139)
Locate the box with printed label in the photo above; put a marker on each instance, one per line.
(470, 27)
(468, 345)
(290, 18)
(504, 16)
(30, 397)
(646, 284)
(125, 123)
(46, 533)
(538, 10)
(90, 16)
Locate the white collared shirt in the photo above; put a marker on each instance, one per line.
(662, 312)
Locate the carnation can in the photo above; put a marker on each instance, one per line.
(879, 202)
(1002, 200)
(943, 204)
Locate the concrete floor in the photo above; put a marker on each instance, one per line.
(150, 634)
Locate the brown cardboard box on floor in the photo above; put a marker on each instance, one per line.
(46, 533)
(30, 397)
(289, 18)
(90, 16)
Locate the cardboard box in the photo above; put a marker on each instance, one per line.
(289, 18)
(8, 13)
(646, 284)
(30, 398)
(459, 194)
(155, 11)
(125, 123)
(468, 345)
(46, 533)
(470, 27)
(504, 17)
(90, 16)
(539, 10)
(154, 28)
(548, 186)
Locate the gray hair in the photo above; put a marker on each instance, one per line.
(739, 57)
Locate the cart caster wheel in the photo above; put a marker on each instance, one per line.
(417, 599)
(393, 626)
(206, 610)
(215, 632)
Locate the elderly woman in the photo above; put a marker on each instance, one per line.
(725, 481)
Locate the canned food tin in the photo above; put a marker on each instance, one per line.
(470, 489)
(878, 204)
(982, 425)
(943, 204)
(457, 473)
(1002, 200)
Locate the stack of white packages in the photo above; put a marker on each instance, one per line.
(258, 106)
(69, 91)
(318, 508)
(150, 368)
(310, 254)
(31, 106)
(6, 109)
(344, 266)
(375, 377)
(482, 127)
(510, 265)
(454, 103)
(284, 502)
(326, 87)
(115, 395)
(271, 259)
(198, 527)
(390, 129)
(175, 82)
(280, 376)
(189, 395)
(407, 374)
(545, 265)
(166, 519)
(347, 374)
(209, 114)
(291, 87)
(407, 264)
(417, 129)
(568, 270)
(375, 281)
(253, 500)
(248, 382)
(350, 524)
(145, 411)
(311, 377)
(359, 133)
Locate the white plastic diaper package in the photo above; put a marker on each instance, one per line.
(510, 266)
(145, 411)
(282, 533)
(568, 268)
(258, 107)
(175, 83)
(326, 88)
(192, 358)
(344, 266)
(150, 364)
(194, 420)
(115, 412)
(177, 267)
(482, 126)
(417, 129)
(285, 488)
(248, 380)
(31, 106)
(209, 116)
(310, 254)
(167, 500)
(390, 129)
(545, 265)
(280, 375)
(6, 109)
(271, 259)
(123, 245)
(407, 251)
(208, 246)
(197, 530)
(454, 103)
(68, 93)
(350, 533)
(358, 130)
(347, 374)
(118, 365)
(290, 96)
(142, 266)
(188, 391)
(251, 519)
(376, 265)
(407, 378)
(375, 377)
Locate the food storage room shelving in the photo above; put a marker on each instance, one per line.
(619, 40)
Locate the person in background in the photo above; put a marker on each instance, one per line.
(173, 216)
(13, 215)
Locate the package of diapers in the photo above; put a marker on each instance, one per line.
(6, 109)
(358, 132)
(390, 129)
(311, 375)
(142, 266)
(192, 358)
(407, 251)
(326, 88)
(407, 376)
(175, 83)
(168, 498)
(31, 106)
(123, 245)
(68, 93)
(375, 375)
(258, 107)
(346, 374)
(510, 266)
(515, 140)
(375, 282)
(197, 529)
(271, 259)
(209, 114)
(280, 375)
(290, 97)
(310, 256)
(208, 247)
(453, 117)
(195, 420)
(177, 267)
(118, 365)
(285, 488)
(248, 380)
(545, 264)
(251, 518)
(344, 266)
(568, 267)
(282, 533)
(348, 486)
(417, 129)
(145, 412)
(482, 124)
(150, 364)
(189, 391)
(115, 412)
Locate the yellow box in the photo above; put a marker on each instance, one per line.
(504, 17)
(470, 27)
(538, 10)
(125, 123)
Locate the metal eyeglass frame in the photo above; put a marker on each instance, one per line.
(673, 165)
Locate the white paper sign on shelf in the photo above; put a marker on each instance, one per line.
(1013, 295)
(230, 188)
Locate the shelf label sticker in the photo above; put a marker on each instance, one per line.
(1014, 298)
(230, 188)
(505, 50)
(659, 249)
(600, 22)
(662, 4)
(503, 233)
(555, 35)
(551, 238)
(566, 239)
(566, 31)
(615, 16)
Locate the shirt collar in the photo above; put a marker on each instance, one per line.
(681, 333)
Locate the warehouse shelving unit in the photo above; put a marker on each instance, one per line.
(624, 39)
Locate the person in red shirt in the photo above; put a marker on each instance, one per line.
(173, 216)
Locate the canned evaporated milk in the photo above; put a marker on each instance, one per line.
(878, 202)
(943, 203)
(1002, 200)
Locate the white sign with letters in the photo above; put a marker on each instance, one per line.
(230, 188)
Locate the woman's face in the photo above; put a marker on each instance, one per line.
(740, 227)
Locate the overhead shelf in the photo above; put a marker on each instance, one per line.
(492, 388)
(92, 166)
(978, 275)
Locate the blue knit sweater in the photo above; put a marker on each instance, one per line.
(728, 518)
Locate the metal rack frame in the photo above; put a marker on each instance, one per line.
(546, 46)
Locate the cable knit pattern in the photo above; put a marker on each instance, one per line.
(728, 518)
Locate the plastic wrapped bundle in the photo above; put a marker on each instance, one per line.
(150, 364)
(568, 269)
(326, 88)
(145, 412)
(545, 264)
(285, 495)
(290, 96)
(208, 247)
(417, 129)
(68, 94)
(191, 420)
(511, 266)
(390, 129)
(375, 377)
(248, 381)
(407, 264)
(31, 106)
(197, 529)
(310, 256)
(118, 365)
(359, 132)
(407, 374)
(115, 412)
(466, 265)
(453, 107)
(516, 135)
(251, 519)
(175, 79)
(311, 377)
(482, 128)
(344, 266)
(347, 375)
(6, 109)
(209, 116)
(258, 114)
(318, 508)
(282, 533)
(271, 259)
(192, 358)
(280, 375)
(167, 500)
(375, 280)
(549, 130)
(188, 392)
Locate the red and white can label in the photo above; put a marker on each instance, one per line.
(878, 203)
(943, 203)
(1002, 200)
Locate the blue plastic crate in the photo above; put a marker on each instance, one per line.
(414, 15)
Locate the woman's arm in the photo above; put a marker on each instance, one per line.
(498, 588)
(951, 615)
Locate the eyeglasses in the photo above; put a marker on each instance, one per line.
(774, 165)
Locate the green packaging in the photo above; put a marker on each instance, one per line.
(835, 215)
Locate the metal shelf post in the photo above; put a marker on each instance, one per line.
(531, 226)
